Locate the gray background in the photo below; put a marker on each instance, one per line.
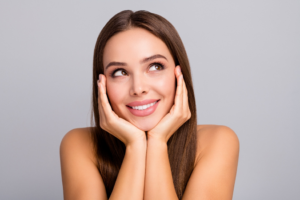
(245, 59)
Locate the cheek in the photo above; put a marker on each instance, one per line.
(114, 93)
(166, 87)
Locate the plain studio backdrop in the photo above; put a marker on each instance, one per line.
(245, 61)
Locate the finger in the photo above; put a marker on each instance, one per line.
(185, 102)
(104, 100)
(179, 90)
(100, 108)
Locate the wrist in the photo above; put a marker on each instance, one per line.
(155, 138)
(138, 143)
(157, 144)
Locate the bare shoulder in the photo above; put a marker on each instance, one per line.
(78, 140)
(215, 168)
(216, 138)
(80, 176)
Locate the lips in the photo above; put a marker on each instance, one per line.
(146, 112)
(141, 103)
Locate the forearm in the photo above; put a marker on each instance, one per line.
(158, 181)
(130, 180)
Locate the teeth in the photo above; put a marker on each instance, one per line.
(144, 106)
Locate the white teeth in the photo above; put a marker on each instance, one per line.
(144, 106)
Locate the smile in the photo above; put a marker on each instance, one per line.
(144, 106)
(144, 110)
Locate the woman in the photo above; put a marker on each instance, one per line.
(146, 143)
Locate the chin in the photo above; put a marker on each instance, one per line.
(144, 126)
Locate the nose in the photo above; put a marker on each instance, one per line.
(139, 86)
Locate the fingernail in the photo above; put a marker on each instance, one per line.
(179, 70)
(99, 77)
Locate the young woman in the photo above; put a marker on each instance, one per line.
(146, 143)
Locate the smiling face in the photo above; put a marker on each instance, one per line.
(146, 72)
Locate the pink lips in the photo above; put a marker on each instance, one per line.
(140, 103)
(143, 113)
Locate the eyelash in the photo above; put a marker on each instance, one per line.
(156, 63)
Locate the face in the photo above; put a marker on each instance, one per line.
(138, 66)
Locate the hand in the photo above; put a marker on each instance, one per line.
(178, 114)
(112, 123)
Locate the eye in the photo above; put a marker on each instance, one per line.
(118, 72)
(157, 66)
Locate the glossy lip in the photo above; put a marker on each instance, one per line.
(143, 113)
(141, 103)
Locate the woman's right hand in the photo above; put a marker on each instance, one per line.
(112, 123)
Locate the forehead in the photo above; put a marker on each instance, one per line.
(133, 45)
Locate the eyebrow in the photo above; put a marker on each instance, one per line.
(142, 61)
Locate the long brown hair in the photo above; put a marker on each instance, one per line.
(110, 151)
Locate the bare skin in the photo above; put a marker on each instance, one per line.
(213, 176)
(145, 172)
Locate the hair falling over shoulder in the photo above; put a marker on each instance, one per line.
(182, 144)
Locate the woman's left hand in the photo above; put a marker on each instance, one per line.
(178, 115)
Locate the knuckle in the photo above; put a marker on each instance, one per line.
(187, 118)
(189, 114)
(103, 125)
(178, 116)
